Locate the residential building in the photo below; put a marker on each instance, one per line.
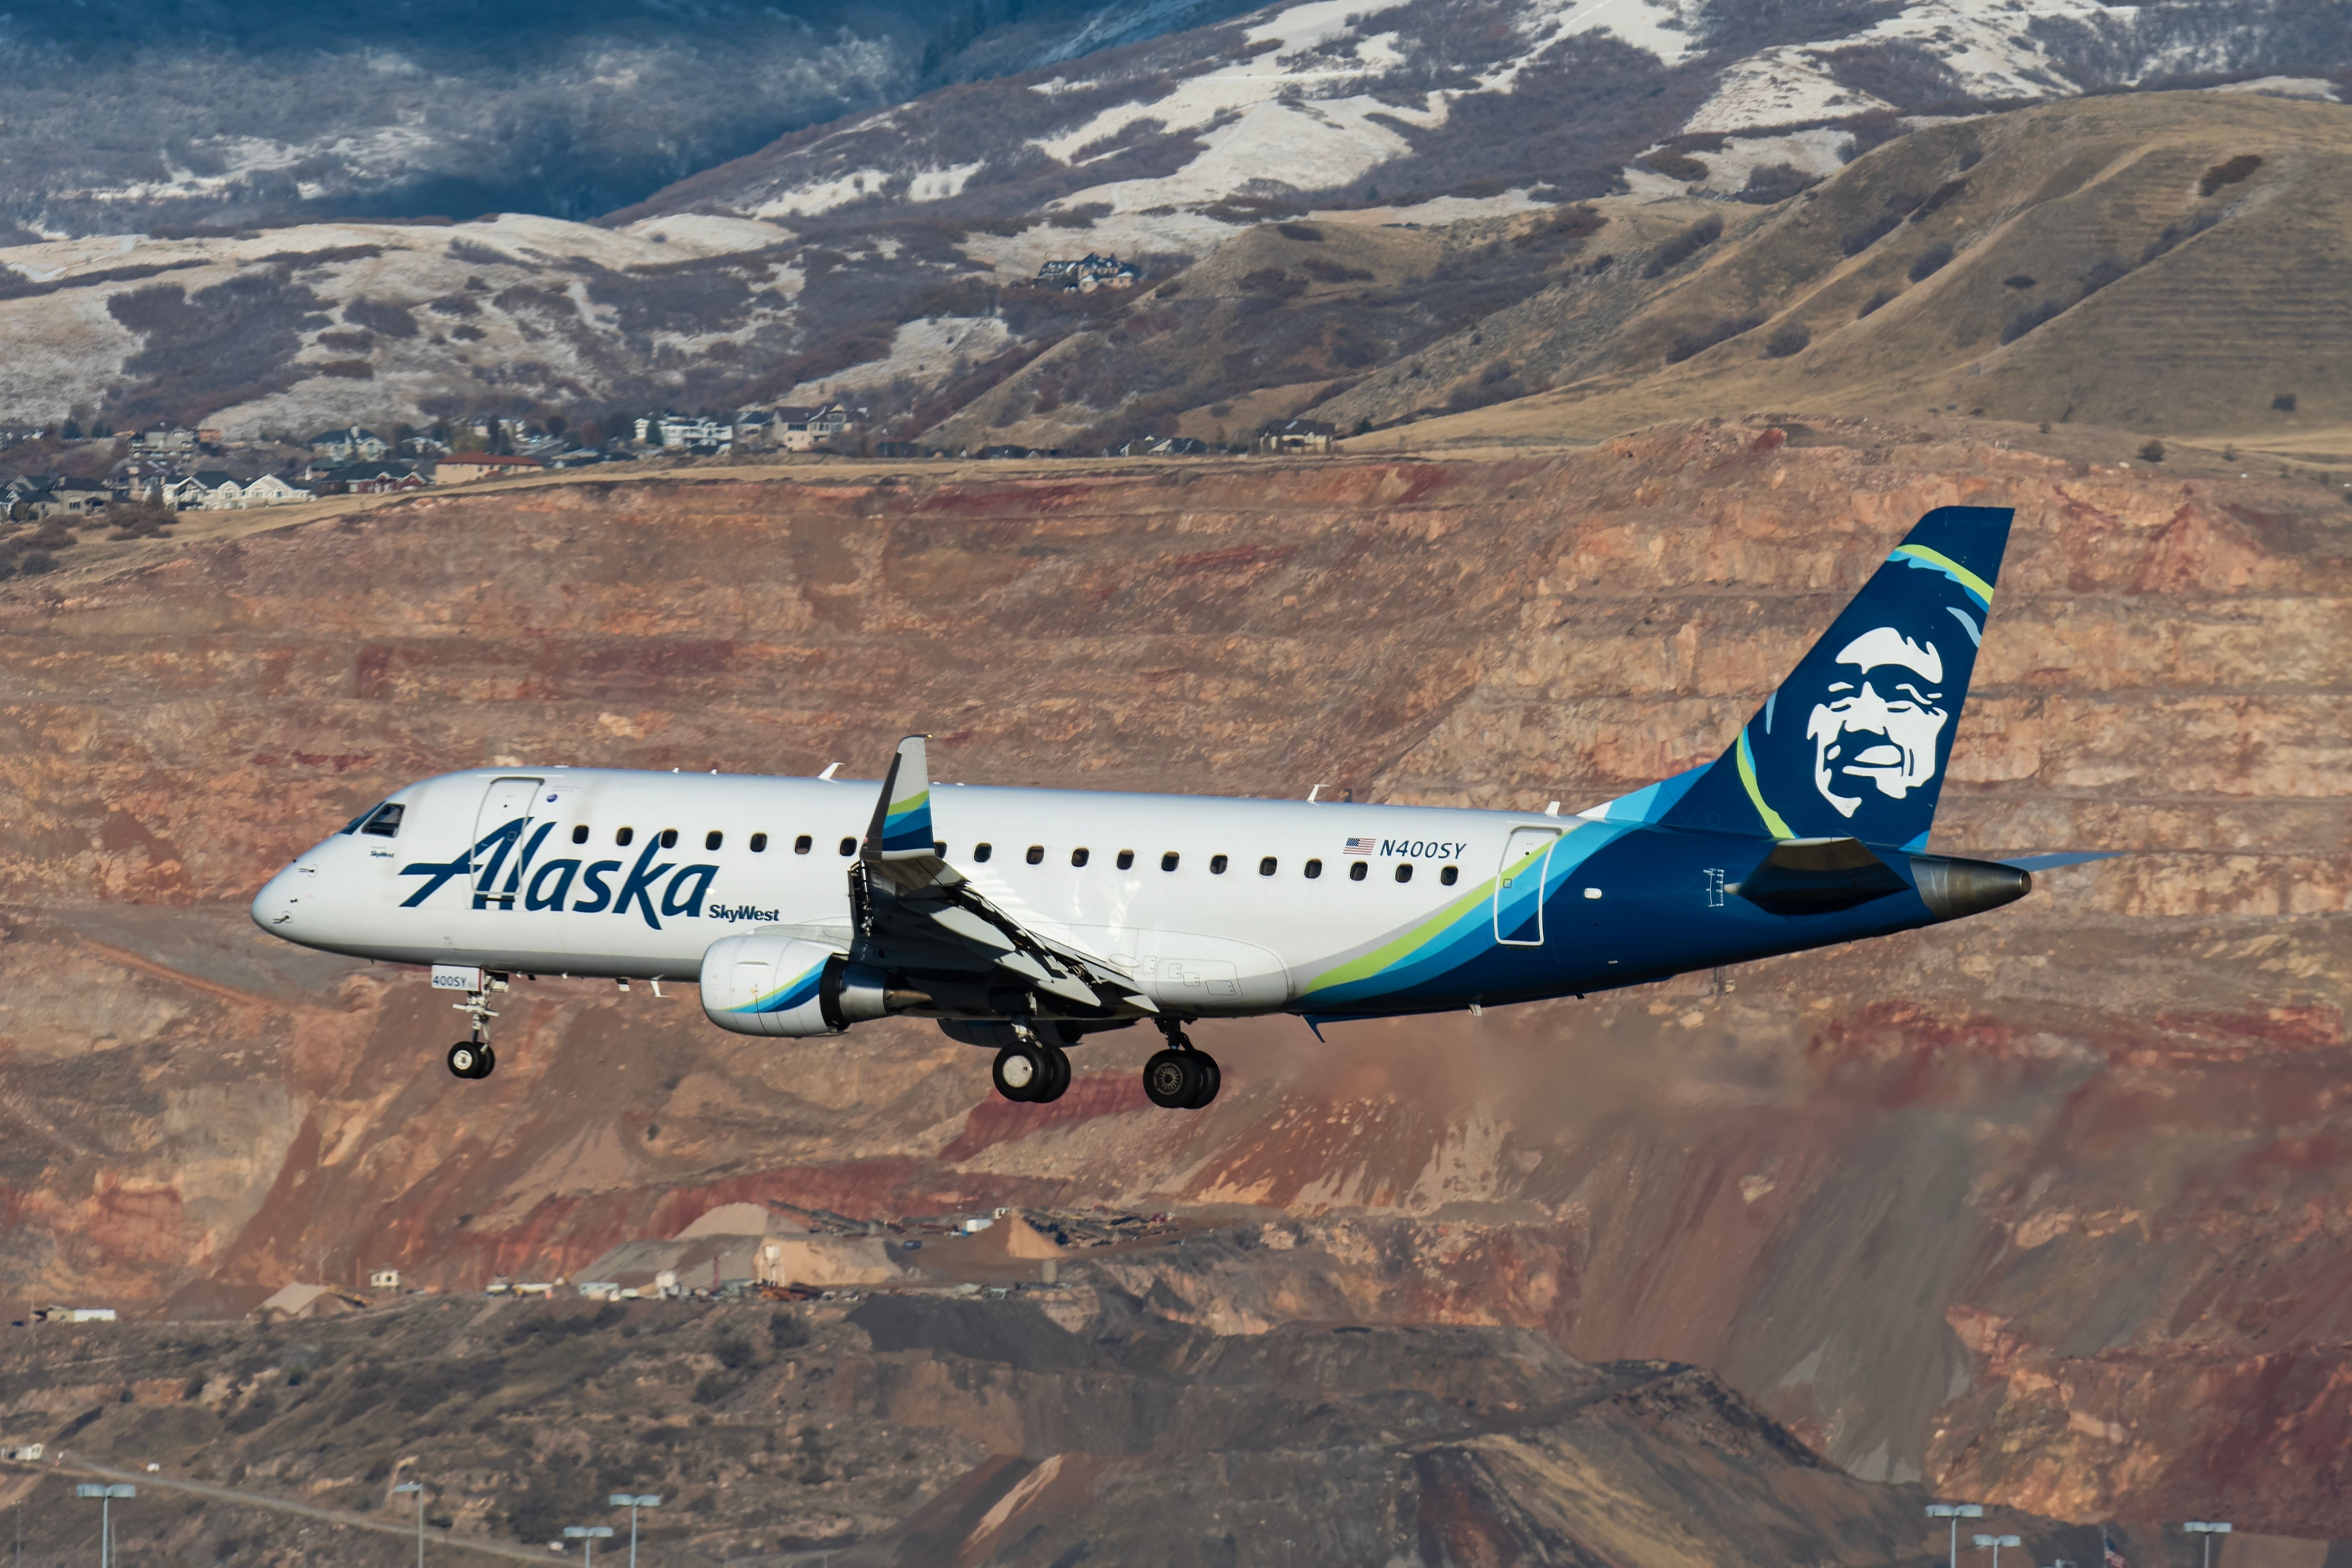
(806, 429)
(384, 1279)
(1293, 435)
(346, 446)
(674, 432)
(371, 479)
(1089, 273)
(210, 490)
(158, 440)
(463, 468)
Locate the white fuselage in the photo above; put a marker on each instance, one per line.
(1237, 926)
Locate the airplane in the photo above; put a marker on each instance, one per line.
(1024, 920)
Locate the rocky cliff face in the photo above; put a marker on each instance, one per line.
(2047, 1207)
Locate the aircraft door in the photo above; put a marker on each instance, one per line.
(503, 803)
(1519, 886)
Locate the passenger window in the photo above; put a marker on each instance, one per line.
(1079, 856)
(1313, 868)
(1127, 859)
(1216, 864)
(803, 845)
(759, 843)
(1356, 872)
(580, 834)
(669, 837)
(713, 839)
(982, 851)
(1451, 875)
(1404, 871)
(621, 835)
(848, 847)
(1167, 861)
(1266, 866)
(385, 823)
(1037, 854)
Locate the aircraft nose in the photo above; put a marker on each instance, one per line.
(274, 908)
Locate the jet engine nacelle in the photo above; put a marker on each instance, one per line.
(782, 986)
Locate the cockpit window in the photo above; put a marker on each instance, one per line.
(383, 822)
(356, 823)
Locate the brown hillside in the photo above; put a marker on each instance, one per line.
(2045, 1207)
(2166, 263)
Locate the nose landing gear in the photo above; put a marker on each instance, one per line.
(1184, 1077)
(472, 1058)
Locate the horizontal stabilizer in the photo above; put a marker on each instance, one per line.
(2069, 858)
(1815, 875)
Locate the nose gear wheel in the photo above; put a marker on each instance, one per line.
(472, 1060)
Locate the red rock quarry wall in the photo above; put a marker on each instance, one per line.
(2049, 1207)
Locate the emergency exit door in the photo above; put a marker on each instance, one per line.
(1519, 886)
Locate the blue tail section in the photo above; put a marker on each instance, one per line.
(1854, 743)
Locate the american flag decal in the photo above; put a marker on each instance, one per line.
(1361, 846)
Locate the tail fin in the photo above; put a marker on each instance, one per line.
(1854, 743)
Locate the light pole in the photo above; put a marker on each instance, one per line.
(418, 1488)
(1956, 1512)
(105, 1496)
(591, 1534)
(1996, 1543)
(2208, 1528)
(634, 1501)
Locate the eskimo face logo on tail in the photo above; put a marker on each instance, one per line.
(500, 877)
(1878, 724)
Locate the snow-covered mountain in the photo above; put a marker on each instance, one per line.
(881, 252)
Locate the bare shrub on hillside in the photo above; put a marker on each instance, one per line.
(1902, 72)
(1949, 190)
(1787, 340)
(385, 321)
(1882, 297)
(2152, 452)
(1769, 183)
(2033, 316)
(1931, 261)
(1864, 235)
(1676, 166)
(1681, 247)
(2283, 404)
(1698, 338)
(2229, 172)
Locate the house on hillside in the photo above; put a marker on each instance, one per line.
(678, 432)
(210, 490)
(1293, 436)
(808, 430)
(296, 1302)
(1089, 273)
(389, 477)
(158, 440)
(348, 446)
(466, 466)
(79, 497)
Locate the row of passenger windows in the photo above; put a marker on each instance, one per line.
(384, 822)
(1267, 866)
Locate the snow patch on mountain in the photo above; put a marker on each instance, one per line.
(922, 352)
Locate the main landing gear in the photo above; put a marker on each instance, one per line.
(1032, 1071)
(472, 1058)
(1184, 1077)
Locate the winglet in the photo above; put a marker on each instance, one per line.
(901, 829)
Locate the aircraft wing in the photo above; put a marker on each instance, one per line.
(914, 912)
